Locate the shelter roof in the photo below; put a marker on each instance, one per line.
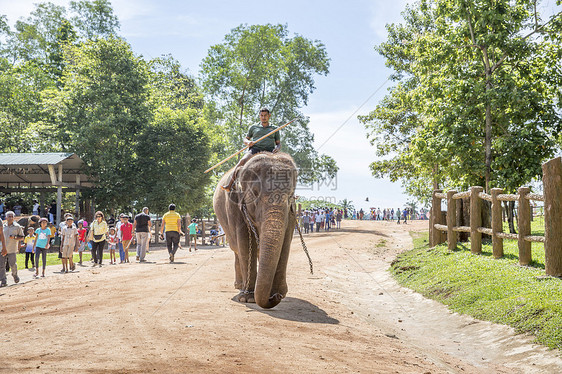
(26, 170)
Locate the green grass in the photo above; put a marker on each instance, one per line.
(53, 258)
(497, 290)
(537, 225)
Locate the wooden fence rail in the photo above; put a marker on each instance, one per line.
(441, 231)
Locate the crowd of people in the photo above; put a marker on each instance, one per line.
(118, 235)
(321, 219)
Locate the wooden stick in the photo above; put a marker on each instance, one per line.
(246, 147)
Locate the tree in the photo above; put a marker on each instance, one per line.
(347, 206)
(94, 18)
(471, 104)
(260, 65)
(99, 111)
(172, 153)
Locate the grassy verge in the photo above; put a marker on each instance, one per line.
(53, 258)
(500, 290)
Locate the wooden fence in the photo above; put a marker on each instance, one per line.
(441, 231)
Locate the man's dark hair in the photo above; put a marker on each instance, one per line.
(172, 207)
(264, 109)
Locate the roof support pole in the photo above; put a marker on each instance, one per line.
(77, 197)
(59, 196)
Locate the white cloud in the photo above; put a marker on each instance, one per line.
(384, 12)
(15, 10)
(127, 10)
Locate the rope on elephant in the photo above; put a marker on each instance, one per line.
(304, 247)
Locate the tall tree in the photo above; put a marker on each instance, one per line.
(260, 65)
(99, 111)
(94, 18)
(172, 153)
(472, 104)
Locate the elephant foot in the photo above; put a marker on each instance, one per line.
(245, 297)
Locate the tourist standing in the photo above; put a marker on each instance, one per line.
(111, 245)
(319, 220)
(171, 225)
(142, 227)
(68, 244)
(98, 233)
(35, 209)
(193, 233)
(53, 211)
(82, 231)
(43, 237)
(125, 235)
(28, 243)
(13, 233)
(338, 219)
(306, 222)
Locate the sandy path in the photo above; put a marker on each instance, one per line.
(349, 316)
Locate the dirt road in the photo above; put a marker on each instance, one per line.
(349, 317)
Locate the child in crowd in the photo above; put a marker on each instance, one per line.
(82, 232)
(28, 243)
(111, 245)
(41, 245)
(126, 229)
(68, 244)
(193, 233)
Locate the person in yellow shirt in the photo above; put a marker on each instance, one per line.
(171, 224)
(28, 244)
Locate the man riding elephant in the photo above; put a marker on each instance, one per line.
(259, 216)
(270, 144)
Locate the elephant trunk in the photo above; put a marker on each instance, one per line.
(272, 234)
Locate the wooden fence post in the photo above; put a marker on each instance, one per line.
(497, 223)
(552, 182)
(451, 220)
(436, 237)
(475, 220)
(524, 220)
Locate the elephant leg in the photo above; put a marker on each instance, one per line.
(239, 282)
(241, 264)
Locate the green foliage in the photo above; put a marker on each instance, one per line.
(496, 290)
(260, 65)
(462, 69)
(346, 204)
(317, 204)
(99, 112)
(94, 18)
(68, 83)
(173, 152)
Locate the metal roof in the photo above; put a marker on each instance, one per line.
(28, 170)
(24, 159)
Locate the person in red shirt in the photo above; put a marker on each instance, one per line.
(126, 235)
(82, 231)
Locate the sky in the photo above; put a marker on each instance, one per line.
(357, 80)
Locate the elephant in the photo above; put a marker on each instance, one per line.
(262, 200)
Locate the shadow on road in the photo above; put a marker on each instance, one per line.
(293, 309)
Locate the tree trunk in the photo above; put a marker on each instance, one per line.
(486, 217)
(510, 208)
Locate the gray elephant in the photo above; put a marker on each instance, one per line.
(262, 201)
